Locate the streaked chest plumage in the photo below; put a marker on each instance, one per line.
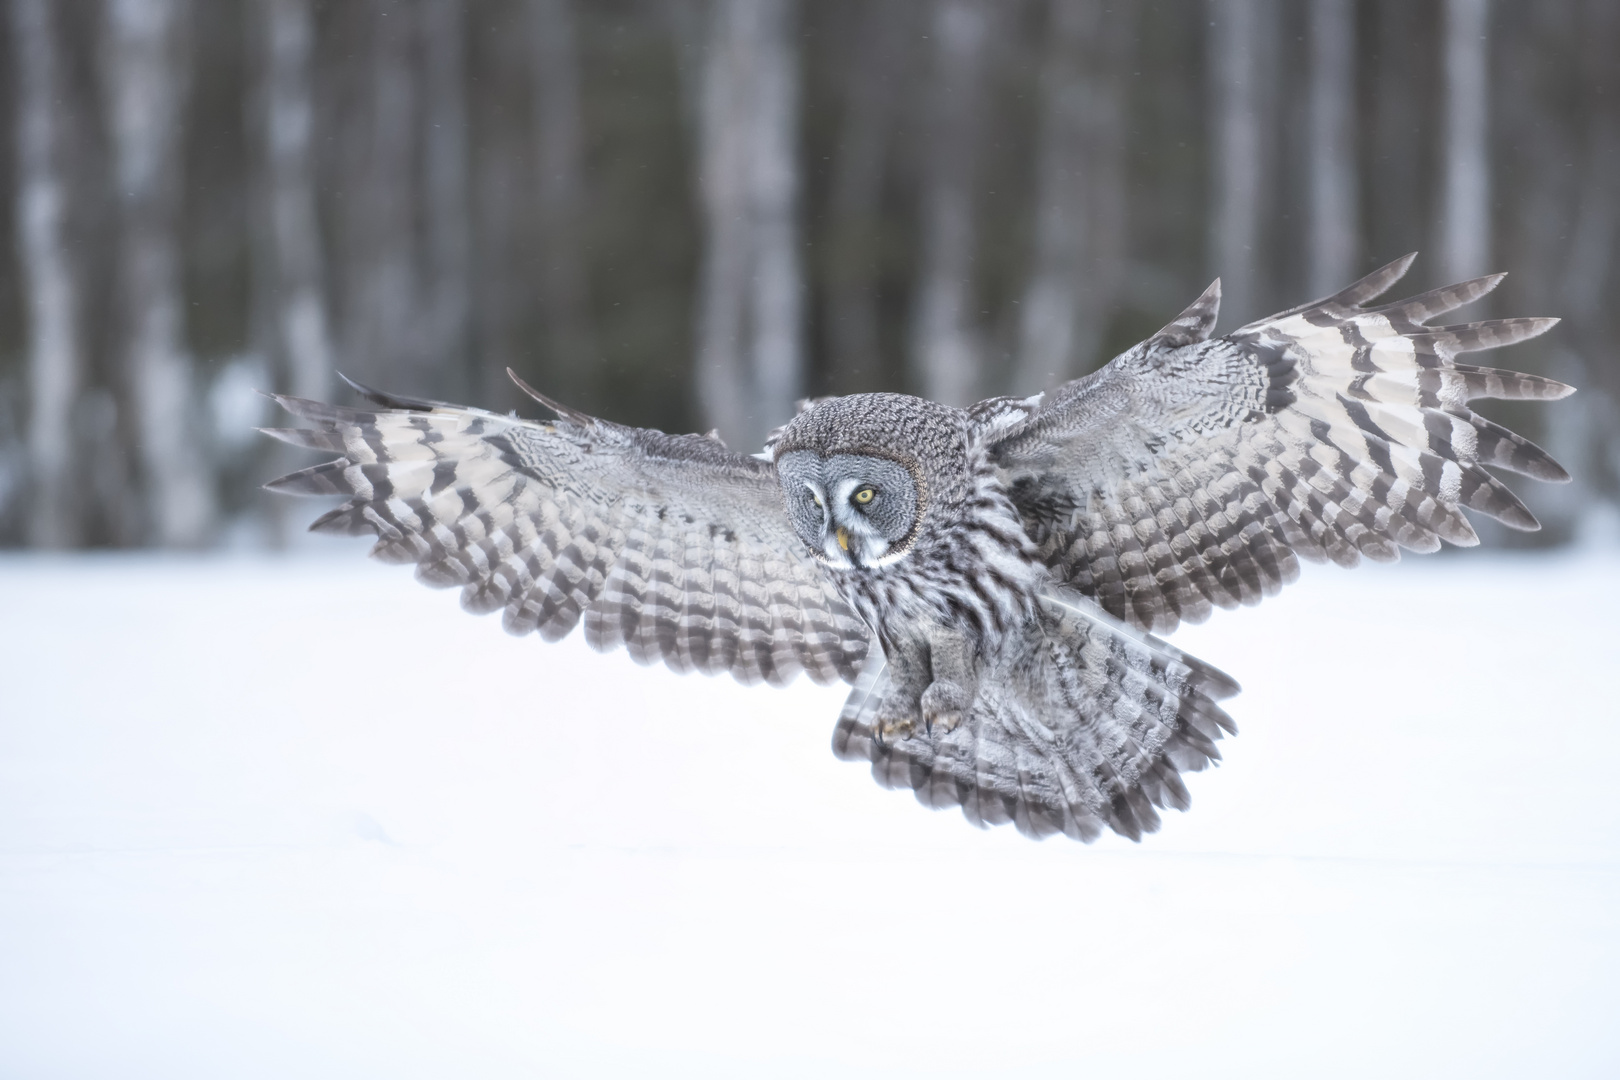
(979, 573)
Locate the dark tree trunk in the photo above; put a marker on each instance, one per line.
(945, 347)
(55, 351)
(502, 188)
(560, 196)
(382, 312)
(146, 85)
(1465, 206)
(446, 270)
(1332, 141)
(1080, 199)
(873, 92)
(300, 334)
(749, 325)
(1243, 75)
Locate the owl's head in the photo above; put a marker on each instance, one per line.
(865, 476)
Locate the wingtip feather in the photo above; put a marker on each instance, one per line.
(1374, 284)
(1196, 321)
(572, 415)
(394, 401)
(306, 438)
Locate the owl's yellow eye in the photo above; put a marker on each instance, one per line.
(865, 495)
(815, 498)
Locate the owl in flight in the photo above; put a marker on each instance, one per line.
(990, 579)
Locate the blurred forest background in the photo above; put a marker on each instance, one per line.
(688, 213)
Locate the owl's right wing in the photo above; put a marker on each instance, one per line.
(671, 545)
(1190, 472)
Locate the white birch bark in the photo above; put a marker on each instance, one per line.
(944, 349)
(50, 285)
(749, 316)
(1080, 197)
(448, 258)
(146, 82)
(1242, 71)
(1334, 227)
(301, 326)
(1465, 205)
(558, 140)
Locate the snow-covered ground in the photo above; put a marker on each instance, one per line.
(301, 817)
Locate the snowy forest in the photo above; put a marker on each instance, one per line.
(690, 213)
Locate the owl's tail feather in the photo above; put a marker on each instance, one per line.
(1080, 723)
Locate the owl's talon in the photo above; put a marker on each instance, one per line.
(895, 727)
(943, 705)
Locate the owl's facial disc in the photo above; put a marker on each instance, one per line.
(854, 511)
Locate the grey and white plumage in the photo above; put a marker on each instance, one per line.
(990, 578)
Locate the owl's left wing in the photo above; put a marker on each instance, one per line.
(670, 545)
(1189, 473)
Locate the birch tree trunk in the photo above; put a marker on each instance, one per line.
(945, 349)
(51, 295)
(445, 174)
(749, 316)
(1080, 199)
(1242, 71)
(1333, 188)
(146, 82)
(570, 342)
(301, 332)
(1465, 209)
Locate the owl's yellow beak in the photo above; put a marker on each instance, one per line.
(843, 538)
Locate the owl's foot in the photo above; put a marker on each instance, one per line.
(941, 709)
(893, 722)
(944, 704)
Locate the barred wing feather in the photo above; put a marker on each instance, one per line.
(1190, 473)
(672, 546)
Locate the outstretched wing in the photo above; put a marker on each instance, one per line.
(1189, 473)
(670, 545)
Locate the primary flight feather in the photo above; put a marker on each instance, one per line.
(990, 578)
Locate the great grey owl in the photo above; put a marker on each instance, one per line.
(990, 578)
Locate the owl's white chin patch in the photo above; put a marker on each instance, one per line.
(888, 558)
(840, 558)
(858, 552)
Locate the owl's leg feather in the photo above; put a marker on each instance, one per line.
(934, 681)
(955, 672)
(900, 710)
(944, 704)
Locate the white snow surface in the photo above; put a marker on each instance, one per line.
(270, 817)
